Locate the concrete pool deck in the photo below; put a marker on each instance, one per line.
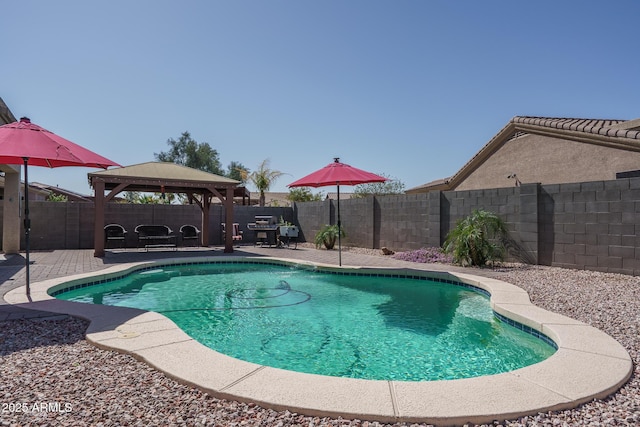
(588, 364)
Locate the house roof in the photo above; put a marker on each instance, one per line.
(32, 188)
(628, 129)
(6, 116)
(282, 198)
(271, 198)
(71, 195)
(334, 195)
(620, 134)
(438, 184)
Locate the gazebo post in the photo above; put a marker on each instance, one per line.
(98, 206)
(228, 205)
(206, 209)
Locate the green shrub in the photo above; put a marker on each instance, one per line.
(327, 236)
(477, 239)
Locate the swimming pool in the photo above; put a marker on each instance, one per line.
(356, 325)
(588, 363)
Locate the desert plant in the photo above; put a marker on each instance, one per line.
(425, 255)
(477, 239)
(327, 236)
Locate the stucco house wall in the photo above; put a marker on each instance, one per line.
(546, 160)
(548, 151)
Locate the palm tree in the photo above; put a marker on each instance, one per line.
(477, 239)
(264, 178)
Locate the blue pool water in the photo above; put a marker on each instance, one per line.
(371, 327)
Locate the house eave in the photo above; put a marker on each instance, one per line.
(612, 136)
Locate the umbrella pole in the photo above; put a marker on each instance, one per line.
(27, 221)
(339, 231)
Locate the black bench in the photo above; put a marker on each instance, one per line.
(155, 236)
(114, 233)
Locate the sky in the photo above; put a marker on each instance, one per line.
(408, 89)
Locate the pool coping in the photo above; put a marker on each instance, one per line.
(588, 364)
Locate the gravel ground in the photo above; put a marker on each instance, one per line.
(51, 376)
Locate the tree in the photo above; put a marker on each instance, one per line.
(52, 197)
(188, 152)
(303, 194)
(237, 171)
(151, 199)
(131, 196)
(477, 239)
(264, 178)
(391, 186)
(141, 198)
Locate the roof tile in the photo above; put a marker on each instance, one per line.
(593, 126)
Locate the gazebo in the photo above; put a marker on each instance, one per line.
(163, 177)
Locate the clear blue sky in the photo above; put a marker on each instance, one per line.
(409, 89)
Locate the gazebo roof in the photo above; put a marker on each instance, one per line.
(173, 178)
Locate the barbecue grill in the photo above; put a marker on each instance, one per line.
(265, 228)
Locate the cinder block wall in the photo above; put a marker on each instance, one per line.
(592, 225)
(131, 215)
(512, 204)
(403, 222)
(456, 205)
(589, 225)
(357, 217)
(56, 225)
(312, 216)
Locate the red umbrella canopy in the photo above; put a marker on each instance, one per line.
(23, 139)
(337, 173)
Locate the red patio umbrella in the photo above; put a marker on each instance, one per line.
(25, 143)
(337, 174)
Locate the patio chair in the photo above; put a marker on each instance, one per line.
(237, 233)
(115, 233)
(190, 233)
